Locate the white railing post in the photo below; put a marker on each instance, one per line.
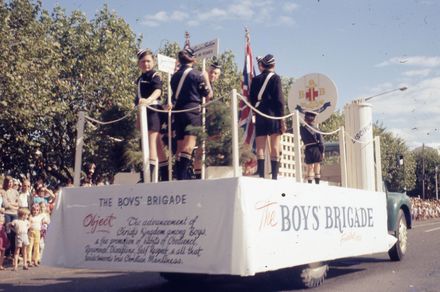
(156, 170)
(144, 143)
(297, 145)
(78, 148)
(377, 158)
(203, 170)
(235, 149)
(343, 157)
(170, 138)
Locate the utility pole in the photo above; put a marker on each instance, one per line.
(436, 182)
(423, 171)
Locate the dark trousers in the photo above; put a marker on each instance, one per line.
(11, 235)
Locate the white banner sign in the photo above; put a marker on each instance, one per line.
(207, 49)
(291, 224)
(166, 64)
(238, 226)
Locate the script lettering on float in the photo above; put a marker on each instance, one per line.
(142, 238)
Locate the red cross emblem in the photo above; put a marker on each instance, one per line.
(312, 93)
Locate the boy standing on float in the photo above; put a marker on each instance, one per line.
(313, 147)
(213, 75)
(267, 96)
(189, 87)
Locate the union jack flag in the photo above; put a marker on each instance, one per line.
(245, 120)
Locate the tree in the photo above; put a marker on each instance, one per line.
(430, 158)
(286, 83)
(397, 176)
(28, 68)
(334, 122)
(73, 64)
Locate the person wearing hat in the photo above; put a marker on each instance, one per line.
(189, 87)
(149, 90)
(313, 147)
(267, 96)
(214, 72)
(259, 63)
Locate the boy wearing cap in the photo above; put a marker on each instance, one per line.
(149, 90)
(267, 96)
(214, 73)
(313, 147)
(189, 87)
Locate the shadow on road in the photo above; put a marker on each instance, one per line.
(89, 280)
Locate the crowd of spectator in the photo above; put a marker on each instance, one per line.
(425, 209)
(24, 219)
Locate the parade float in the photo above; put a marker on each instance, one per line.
(240, 225)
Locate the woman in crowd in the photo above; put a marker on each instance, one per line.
(267, 96)
(10, 203)
(189, 87)
(149, 90)
(42, 194)
(4, 241)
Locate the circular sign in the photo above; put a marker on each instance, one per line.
(313, 92)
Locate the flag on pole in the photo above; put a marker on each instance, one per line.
(245, 120)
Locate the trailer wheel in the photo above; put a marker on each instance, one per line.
(398, 251)
(308, 276)
(313, 275)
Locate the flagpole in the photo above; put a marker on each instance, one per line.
(245, 112)
(203, 170)
(235, 148)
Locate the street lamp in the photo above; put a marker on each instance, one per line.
(386, 92)
(401, 165)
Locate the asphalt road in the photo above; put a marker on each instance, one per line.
(420, 271)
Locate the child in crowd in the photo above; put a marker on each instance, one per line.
(4, 242)
(44, 211)
(21, 228)
(36, 220)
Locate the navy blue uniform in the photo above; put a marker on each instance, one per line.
(147, 83)
(271, 103)
(314, 146)
(190, 96)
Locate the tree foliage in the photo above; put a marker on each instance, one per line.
(397, 176)
(334, 122)
(430, 158)
(52, 66)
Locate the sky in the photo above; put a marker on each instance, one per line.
(365, 47)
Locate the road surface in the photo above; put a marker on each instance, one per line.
(420, 271)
